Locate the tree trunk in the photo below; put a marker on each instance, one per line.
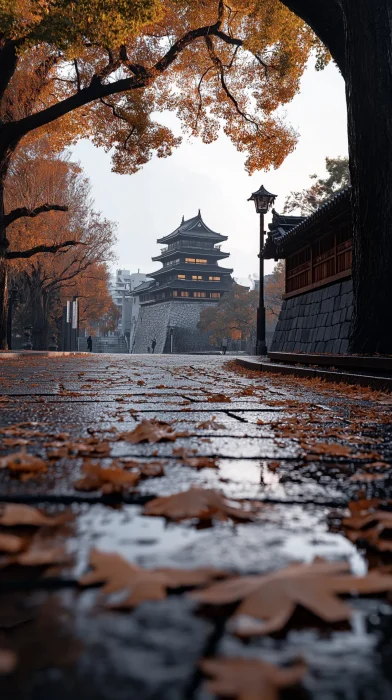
(39, 307)
(3, 299)
(368, 28)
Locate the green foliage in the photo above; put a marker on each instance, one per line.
(308, 200)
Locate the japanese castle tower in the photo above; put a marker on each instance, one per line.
(189, 280)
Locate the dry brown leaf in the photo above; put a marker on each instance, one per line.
(140, 584)
(211, 425)
(250, 679)
(150, 431)
(327, 448)
(372, 526)
(152, 470)
(37, 556)
(91, 448)
(204, 504)
(8, 661)
(218, 398)
(195, 462)
(273, 465)
(269, 601)
(103, 478)
(15, 442)
(12, 514)
(23, 462)
(11, 543)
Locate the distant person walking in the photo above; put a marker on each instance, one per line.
(90, 344)
(224, 346)
(153, 345)
(148, 349)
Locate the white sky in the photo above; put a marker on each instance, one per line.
(150, 204)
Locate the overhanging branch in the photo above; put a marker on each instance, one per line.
(16, 254)
(21, 212)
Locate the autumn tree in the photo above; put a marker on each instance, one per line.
(233, 317)
(37, 174)
(323, 188)
(358, 35)
(104, 69)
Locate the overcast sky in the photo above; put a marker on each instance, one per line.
(150, 204)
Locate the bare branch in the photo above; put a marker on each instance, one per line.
(77, 73)
(16, 254)
(21, 212)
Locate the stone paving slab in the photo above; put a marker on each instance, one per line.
(69, 644)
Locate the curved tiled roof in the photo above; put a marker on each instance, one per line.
(193, 227)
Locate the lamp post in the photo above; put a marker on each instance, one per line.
(263, 201)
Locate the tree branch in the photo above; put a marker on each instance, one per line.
(21, 212)
(326, 19)
(15, 255)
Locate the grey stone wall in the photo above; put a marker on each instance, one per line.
(182, 316)
(318, 321)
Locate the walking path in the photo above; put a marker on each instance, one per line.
(290, 455)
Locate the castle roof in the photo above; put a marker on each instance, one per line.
(194, 227)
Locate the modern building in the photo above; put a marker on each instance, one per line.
(189, 280)
(318, 300)
(121, 285)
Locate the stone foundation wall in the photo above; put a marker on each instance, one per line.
(318, 321)
(183, 316)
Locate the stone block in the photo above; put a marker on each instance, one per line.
(320, 347)
(298, 334)
(345, 330)
(349, 313)
(329, 319)
(305, 335)
(336, 346)
(325, 293)
(335, 332)
(347, 286)
(335, 289)
(328, 333)
(329, 346)
(320, 333)
(326, 305)
(336, 304)
(343, 301)
(336, 317)
(344, 345)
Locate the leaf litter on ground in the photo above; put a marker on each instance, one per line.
(203, 504)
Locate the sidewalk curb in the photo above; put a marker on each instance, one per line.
(375, 382)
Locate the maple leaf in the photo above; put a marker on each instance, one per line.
(250, 679)
(204, 504)
(140, 584)
(211, 425)
(23, 462)
(150, 431)
(11, 543)
(8, 661)
(18, 514)
(328, 448)
(374, 527)
(107, 479)
(269, 601)
(218, 398)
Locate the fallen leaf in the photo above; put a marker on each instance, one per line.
(11, 543)
(152, 470)
(273, 465)
(8, 661)
(23, 462)
(269, 601)
(204, 504)
(218, 398)
(211, 425)
(18, 514)
(100, 478)
(140, 584)
(250, 679)
(328, 448)
(374, 527)
(150, 431)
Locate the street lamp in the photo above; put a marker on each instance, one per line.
(263, 201)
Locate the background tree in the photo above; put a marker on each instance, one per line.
(114, 65)
(358, 35)
(233, 317)
(37, 173)
(308, 200)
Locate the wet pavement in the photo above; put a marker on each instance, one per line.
(297, 452)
